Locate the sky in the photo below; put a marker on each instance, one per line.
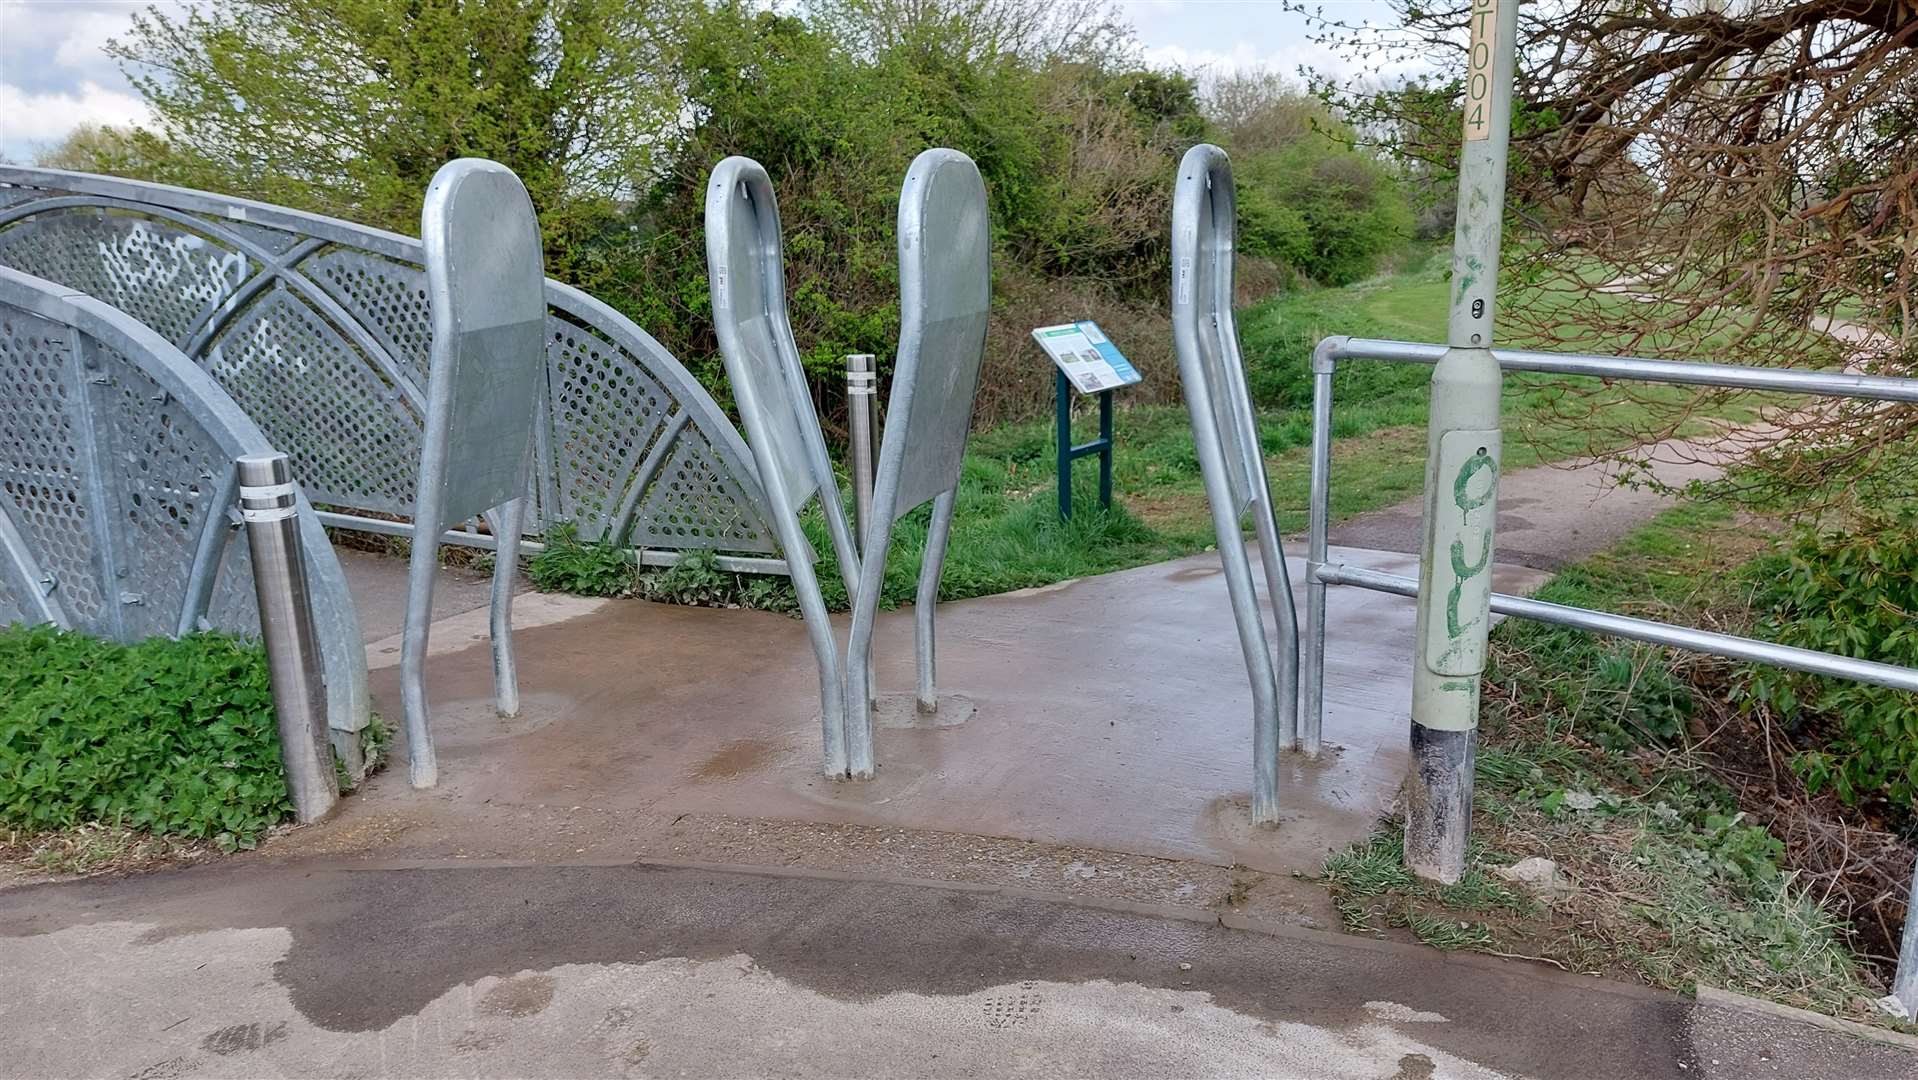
(55, 75)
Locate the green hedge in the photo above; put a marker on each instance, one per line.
(1853, 592)
(165, 736)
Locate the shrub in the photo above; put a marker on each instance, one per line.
(1855, 593)
(170, 737)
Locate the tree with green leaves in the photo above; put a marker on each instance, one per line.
(348, 107)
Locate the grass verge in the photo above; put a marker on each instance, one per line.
(1610, 759)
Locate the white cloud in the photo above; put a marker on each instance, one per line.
(1245, 56)
(83, 39)
(29, 119)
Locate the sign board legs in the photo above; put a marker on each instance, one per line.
(1068, 453)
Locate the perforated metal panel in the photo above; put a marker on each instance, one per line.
(117, 489)
(320, 329)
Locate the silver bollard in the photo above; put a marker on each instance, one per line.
(861, 384)
(1904, 985)
(286, 626)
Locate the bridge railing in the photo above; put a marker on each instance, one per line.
(320, 330)
(119, 494)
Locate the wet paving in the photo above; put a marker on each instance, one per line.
(1110, 713)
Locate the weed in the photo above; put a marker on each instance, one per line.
(572, 565)
(164, 736)
(98, 849)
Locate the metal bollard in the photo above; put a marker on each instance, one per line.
(268, 505)
(861, 385)
(1904, 984)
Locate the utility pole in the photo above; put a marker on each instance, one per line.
(1461, 475)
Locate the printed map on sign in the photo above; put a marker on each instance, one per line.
(1090, 362)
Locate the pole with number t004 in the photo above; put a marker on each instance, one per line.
(271, 512)
(1461, 474)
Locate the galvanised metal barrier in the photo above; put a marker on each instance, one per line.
(320, 330)
(1320, 573)
(1225, 435)
(119, 495)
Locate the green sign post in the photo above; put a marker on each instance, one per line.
(1463, 451)
(1088, 362)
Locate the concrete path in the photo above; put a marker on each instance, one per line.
(1110, 713)
(248, 971)
(1550, 516)
(378, 584)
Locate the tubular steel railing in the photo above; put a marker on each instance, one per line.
(1320, 573)
(319, 329)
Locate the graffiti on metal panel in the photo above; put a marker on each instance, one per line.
(1467, 502)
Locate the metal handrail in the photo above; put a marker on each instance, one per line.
(1319, 573)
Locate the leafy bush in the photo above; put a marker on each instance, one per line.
(169, 737)
(1855, 593)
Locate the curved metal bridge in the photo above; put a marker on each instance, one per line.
(118, 491)
(320, 330)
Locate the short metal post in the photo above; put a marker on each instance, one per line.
(271, 512)
(1904, 985)
(1062, 423)
(1312, 710)
(1463, 450)
(861, 383)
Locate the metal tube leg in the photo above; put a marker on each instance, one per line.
(1245, 609)
(865, 612)
(832, 713)
(1265, 706)
(271, 512)
(1312, 708)
(1278, 586)
(507, 522)
(928, 598)
(422, 764)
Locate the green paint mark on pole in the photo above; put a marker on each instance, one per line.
(1461, 478)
